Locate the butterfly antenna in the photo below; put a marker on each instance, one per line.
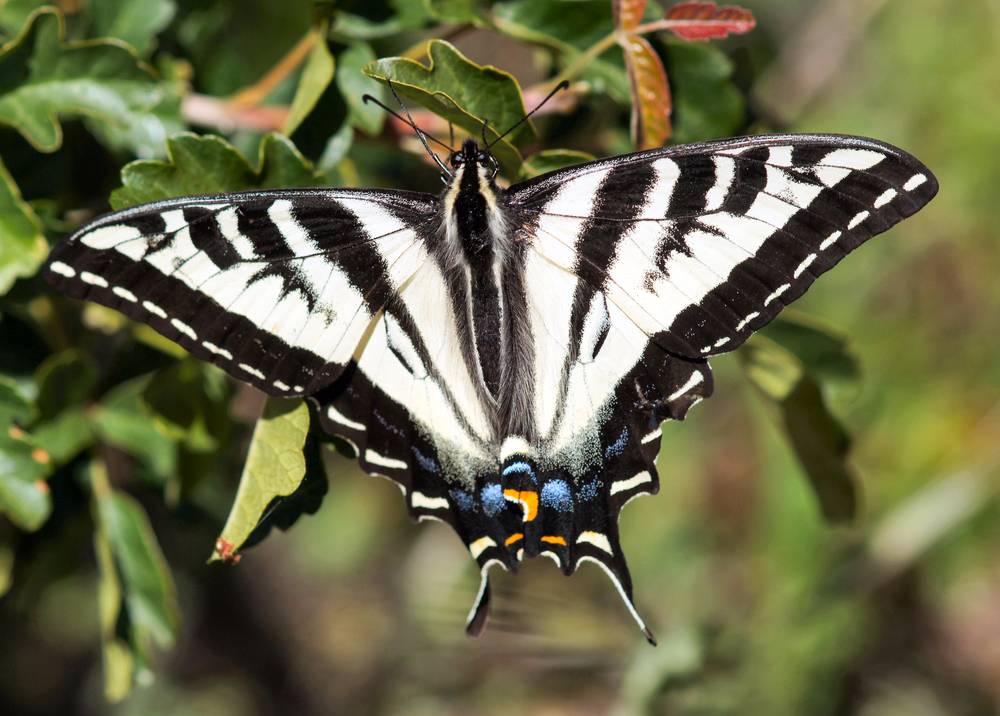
(559, 87)
(420, 134)
(366, 98)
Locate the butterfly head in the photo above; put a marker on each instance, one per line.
(472, 156)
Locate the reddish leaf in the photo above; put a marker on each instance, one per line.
(650, 93)
(628, 13)
(704, 21)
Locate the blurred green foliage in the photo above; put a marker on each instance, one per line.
(119, 456)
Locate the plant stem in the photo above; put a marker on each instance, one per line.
(585, 58)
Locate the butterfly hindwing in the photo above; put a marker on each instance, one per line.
(275, 287)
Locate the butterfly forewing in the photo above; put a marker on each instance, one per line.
(277, 288)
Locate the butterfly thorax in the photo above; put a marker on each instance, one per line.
(481, 264)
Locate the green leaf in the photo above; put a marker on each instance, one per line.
(819, 441)
(548, 160)
(335, 151)
(24, 495)
(136, 22)
(64, 380)
(457, 11)
(137, 597)
(189, 402)
(571, 27)
(707, 104)
(275, 467)
(22, 243)
(825, 352)
(353, 85)
(14, 13)
(123, 421)
(14, 404)
(65, 436)
(403, 15)
(283, 512)
(315, 78)
(567, 25)
(43, 78)
(211, 165)
(462, 92)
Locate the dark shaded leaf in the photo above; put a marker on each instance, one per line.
(188, 403)
(707, 105)
(64, 436)
(122, 421)
(825, 352)
(819, 441)
(64, 380)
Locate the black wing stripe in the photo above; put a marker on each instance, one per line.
(275, 287)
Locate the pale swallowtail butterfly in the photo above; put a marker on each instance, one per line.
(506, 355)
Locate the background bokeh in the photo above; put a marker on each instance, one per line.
(759, 605)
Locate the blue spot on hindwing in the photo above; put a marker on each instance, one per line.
(618, 446)
(556, 494)
(493, 499)
(463, 499)
(589, 490)
(427, 463)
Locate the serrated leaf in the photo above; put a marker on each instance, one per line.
(471, 11)
(817, 438)
(353, 85)
(45, 78)
(275, 467)
(22, 243)
(210, 165)
(707, 105)
(136, 22)
(548, 160)
(628, 13)
(651, 102)
(137, 597)
(64, 380)
(705, 21)
(24, 495)
(462, 92)
(315, 78)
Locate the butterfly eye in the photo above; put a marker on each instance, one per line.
(456, 159)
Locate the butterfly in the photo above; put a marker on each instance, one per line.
(505, 355)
